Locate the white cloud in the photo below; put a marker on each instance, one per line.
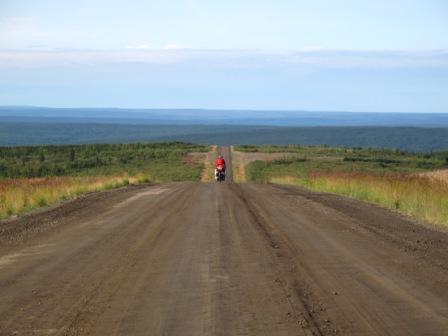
(174, 54)
(139, 47)
(374, 59)
(144, 46)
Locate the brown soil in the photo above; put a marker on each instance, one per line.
(221, 259)
(194, 158)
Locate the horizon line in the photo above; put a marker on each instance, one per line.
(212, 109)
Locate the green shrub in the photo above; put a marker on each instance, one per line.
(94, 159)
(9, 211)
(41, 201)
(144, 179)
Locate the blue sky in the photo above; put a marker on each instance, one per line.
(316, 55)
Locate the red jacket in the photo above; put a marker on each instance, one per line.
(220, 162)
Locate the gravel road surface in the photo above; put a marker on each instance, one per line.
(221, 259)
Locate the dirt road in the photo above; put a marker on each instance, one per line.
(221, 259)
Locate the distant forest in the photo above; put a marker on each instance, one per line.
(162, 159)
(404, 138)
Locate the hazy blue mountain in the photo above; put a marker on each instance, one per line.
(41, 125)
(406, 138)
(219, 117)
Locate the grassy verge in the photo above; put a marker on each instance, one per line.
(18, 196)
(208, 174)
(422, 197)
(393, 180)
(373, 159)
(238, 166)
(38, 176)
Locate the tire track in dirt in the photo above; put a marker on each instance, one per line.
(221, 259)
(296, 291)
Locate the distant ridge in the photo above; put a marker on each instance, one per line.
(219, 117)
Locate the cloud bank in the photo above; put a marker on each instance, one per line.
(343, 80)
(226, 58)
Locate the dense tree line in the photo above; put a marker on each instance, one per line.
(405, 138)
(39, 161)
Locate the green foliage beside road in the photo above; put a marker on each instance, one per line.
(398, 180)
(325, 159)
(162, 160)
(36, 176)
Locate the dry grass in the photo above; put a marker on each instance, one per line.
(440, 175)
(248, 157)
(423, 197)
(238, 165)
(194, 158)
(209, 164)
(21, 195)
(241, 159)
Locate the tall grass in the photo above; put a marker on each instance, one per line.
(208, 172)
(238, 166)
(36, 176)
(423, 197)
(20, 195)
(399, 180)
